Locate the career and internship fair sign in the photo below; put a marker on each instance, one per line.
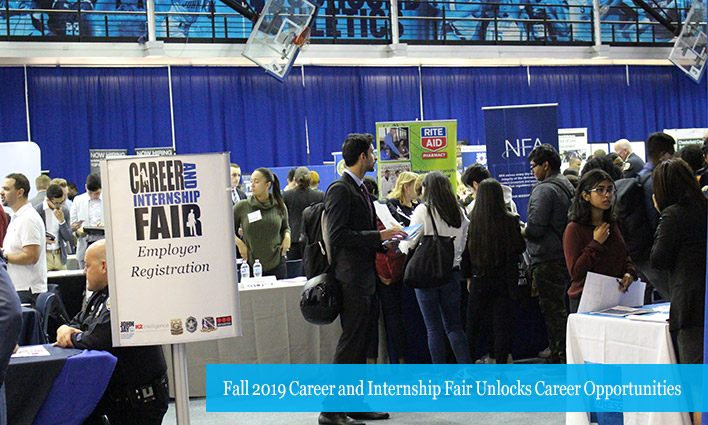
(170, 249)
(511, 133)
(417, 146)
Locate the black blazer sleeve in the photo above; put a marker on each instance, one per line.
(348, 224)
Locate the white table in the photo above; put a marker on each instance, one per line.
(274, 331)
(615, 340)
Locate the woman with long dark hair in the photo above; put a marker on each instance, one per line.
(264, 219)
(494, 243)
(441, 306)
(680, 247)
(592, 241)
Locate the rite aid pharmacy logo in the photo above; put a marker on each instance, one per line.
(434, 140)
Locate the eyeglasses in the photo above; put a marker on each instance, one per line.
(604, 190)
(533, 166)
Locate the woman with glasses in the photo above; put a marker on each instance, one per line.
(592, 241)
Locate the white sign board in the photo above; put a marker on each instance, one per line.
(21, 157)
(170, 249)
(572, 142)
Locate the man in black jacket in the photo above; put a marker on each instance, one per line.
(137, 392)
(354, 240)
(546, 220)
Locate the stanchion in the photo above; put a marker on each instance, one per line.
(181, 385)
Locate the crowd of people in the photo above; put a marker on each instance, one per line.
(571, 228)
(574, 225)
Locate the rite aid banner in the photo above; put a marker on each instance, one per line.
(511, 133)
(417, 146)
(170, 249)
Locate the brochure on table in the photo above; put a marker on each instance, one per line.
(170, 249)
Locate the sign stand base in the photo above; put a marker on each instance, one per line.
(181, 385)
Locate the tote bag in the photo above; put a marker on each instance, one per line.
(430, 264)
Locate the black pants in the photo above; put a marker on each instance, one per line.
(391, 299)
(122, 410)
(280, 271)
(489, 303)
(295, 251)
(355, 317)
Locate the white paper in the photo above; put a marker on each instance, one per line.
(651, 317)
(602, 292)
(31, 351)
(254, 216)
(384, 214)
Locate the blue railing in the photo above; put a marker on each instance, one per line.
(420, 22)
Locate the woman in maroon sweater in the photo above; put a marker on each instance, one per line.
(592, 242)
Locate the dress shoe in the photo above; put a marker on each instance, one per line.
(336, 419)
(368, 415)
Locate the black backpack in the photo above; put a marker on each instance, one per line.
(314, 252)
(632, 215)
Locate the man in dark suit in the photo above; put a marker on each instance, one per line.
(236, 192)
(354, 240)
(633, 164)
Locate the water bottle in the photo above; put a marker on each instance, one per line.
(245, 271)
(257, 269)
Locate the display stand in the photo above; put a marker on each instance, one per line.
(179, 365)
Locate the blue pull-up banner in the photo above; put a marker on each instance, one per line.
(511, 133)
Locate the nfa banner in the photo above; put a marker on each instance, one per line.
(511, 133)
(417, 146)
(170, 249)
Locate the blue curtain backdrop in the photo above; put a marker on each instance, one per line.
(242, 110)
(73, 110)
(343, 100)
(596, 97)
(13, 117)
(460, 93)
(262, 121)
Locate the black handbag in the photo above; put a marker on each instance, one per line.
(430, 264)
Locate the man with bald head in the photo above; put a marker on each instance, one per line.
(137, 392)
(633, 164)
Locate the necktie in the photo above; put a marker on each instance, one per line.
(367, 199)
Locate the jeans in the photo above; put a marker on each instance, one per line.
(441, 313)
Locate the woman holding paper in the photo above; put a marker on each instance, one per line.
(680, 248)
(592, 241)
(440, 305)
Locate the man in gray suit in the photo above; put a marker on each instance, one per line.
(10, 325)
(55, 215)
(41, 183)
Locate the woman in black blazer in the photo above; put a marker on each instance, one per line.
(680, 247)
